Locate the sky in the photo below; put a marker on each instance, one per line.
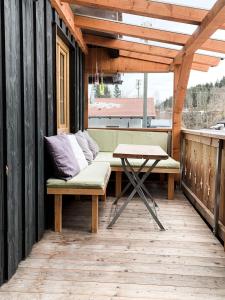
(160, 86)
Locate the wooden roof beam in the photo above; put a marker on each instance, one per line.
(66, 14)
(145, 49)
(152, 9)
(213, 21)
(110, 65)
(102, 25)
(160, 59)
(199, 67)
(147, 57)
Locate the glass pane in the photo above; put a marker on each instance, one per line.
(192, 3)
(62, 92)
(158, 24)
(118, 101)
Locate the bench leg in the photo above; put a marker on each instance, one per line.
(118, 183)
(170, 186)
(161, 179)
(104, 197)
(58, 213)
(94, 219)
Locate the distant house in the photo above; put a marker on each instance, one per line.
(120, 112)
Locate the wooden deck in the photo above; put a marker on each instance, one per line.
(133, 261)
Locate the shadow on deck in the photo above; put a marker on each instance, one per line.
(134, 260)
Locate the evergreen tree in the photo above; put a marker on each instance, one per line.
(107, 93)
(117, 91)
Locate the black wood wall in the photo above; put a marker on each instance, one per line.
(27, 113)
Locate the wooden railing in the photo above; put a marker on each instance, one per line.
(203, 175)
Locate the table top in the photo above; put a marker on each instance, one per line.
(140, 151)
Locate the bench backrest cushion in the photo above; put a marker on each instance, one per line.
(108, 139)
(83, 143)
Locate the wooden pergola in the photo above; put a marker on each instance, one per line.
(137, 57)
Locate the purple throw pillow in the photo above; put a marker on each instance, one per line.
(82, 141)
(61, 154)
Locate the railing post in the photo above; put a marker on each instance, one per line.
(217, 187)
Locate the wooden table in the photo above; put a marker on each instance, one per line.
(145, 152)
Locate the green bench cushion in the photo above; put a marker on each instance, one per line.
(92, 177)
(170, 163)
(109, 139)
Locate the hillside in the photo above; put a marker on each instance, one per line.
(204, 105)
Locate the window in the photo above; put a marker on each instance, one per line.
(116, 101)
(62, 81)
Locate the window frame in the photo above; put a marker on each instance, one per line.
(62, 49)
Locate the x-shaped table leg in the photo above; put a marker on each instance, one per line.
(137, 179)
(137, 184)
(129, 184)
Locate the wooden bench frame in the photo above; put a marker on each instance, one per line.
(95, 193)
(171, 179)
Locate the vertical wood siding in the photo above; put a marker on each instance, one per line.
(27, 114)
(2, 197)
(13, 127)
(28, 130)
(40, 88)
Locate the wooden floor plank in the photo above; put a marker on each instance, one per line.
(134, 260)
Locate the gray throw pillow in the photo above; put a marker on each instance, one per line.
(61, 154)
(83, 143)
(93, 146)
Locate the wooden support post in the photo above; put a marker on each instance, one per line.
(181, 77)
(58, 213)
(217, 195)
(171, 186)
(94, 220)
(118, 183)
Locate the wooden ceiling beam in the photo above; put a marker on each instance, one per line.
(126, 45)
(145, 49)
(147, 57)
(66, 14)
(213, 21)
(160, 59)
(109, 65)
(199, 67)
(152, 9)
(114, 27)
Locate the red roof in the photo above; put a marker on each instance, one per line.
(120, 107)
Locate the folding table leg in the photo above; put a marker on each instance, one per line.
(120, 195)
(138, 179)
(137, 187)
(121, 209)
(138, 184)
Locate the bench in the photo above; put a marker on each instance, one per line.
(108, 139)
(91, 181)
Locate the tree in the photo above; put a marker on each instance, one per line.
(106, 94)
(117, 91)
